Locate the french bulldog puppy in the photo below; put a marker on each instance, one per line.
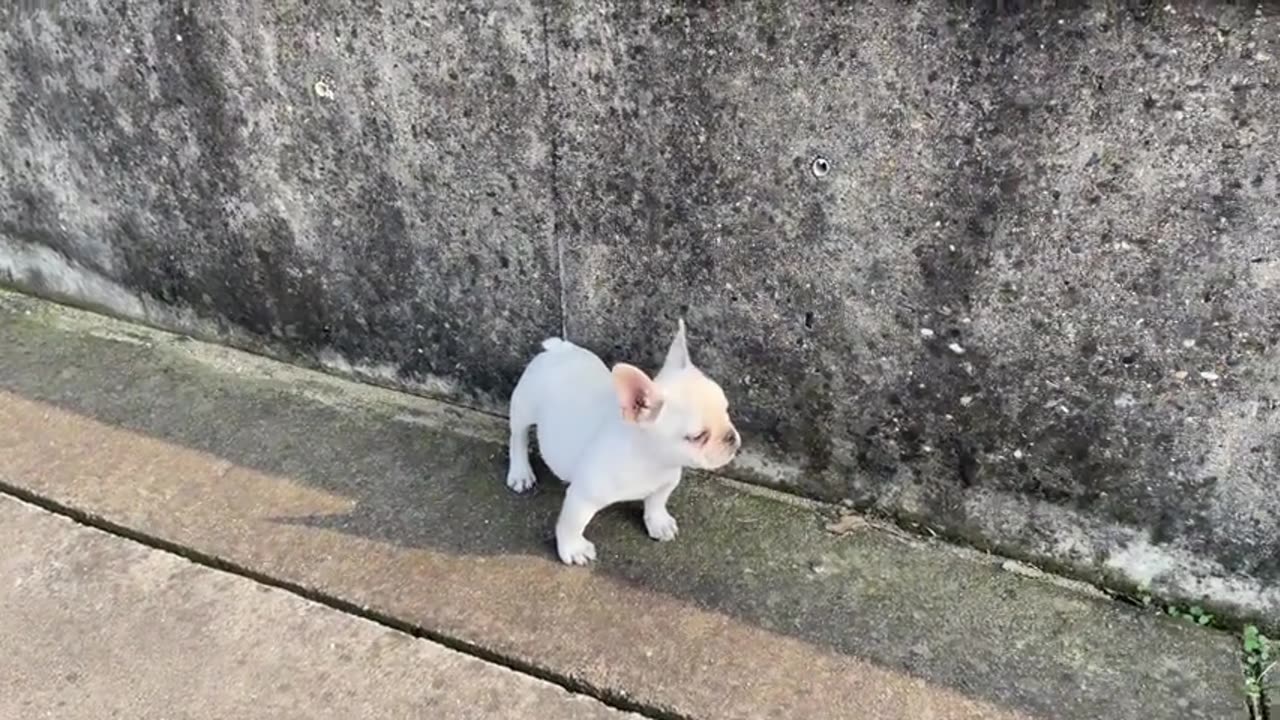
(616, 435)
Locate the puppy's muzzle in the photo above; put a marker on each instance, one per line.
(732, 440)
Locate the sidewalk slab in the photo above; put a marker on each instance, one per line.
(95, 626)
(397, 504)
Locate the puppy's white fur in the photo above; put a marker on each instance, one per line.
(616, 435)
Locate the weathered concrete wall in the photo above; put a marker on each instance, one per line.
(1014, 274)
(370, 184)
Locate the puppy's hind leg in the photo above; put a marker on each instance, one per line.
(519, 472)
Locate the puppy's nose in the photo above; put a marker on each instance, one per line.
(733, 438)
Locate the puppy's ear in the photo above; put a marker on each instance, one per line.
(678, 353)
(639, 397)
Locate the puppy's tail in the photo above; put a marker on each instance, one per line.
(555, 345)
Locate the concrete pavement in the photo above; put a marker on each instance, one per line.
(95, 626)
(392, 508)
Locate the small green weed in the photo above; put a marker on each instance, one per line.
(1193, 614)
(1259, 660)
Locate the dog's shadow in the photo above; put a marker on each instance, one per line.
(471, 512)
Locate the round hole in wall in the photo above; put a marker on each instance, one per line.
(820, 166)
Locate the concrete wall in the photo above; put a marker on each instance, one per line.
(1013, 274)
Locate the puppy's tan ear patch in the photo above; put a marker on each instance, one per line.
(638, 396)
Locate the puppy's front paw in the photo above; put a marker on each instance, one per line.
(661, 526)
(579, 551)
(520, 479)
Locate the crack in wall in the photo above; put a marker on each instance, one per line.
(553, 138)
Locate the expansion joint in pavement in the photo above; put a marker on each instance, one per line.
(607, 697)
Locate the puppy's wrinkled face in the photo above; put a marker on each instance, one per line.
(686, 411)
(696, 417)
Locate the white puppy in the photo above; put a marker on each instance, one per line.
(616, 436)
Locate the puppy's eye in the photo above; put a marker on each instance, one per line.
(699, 438)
